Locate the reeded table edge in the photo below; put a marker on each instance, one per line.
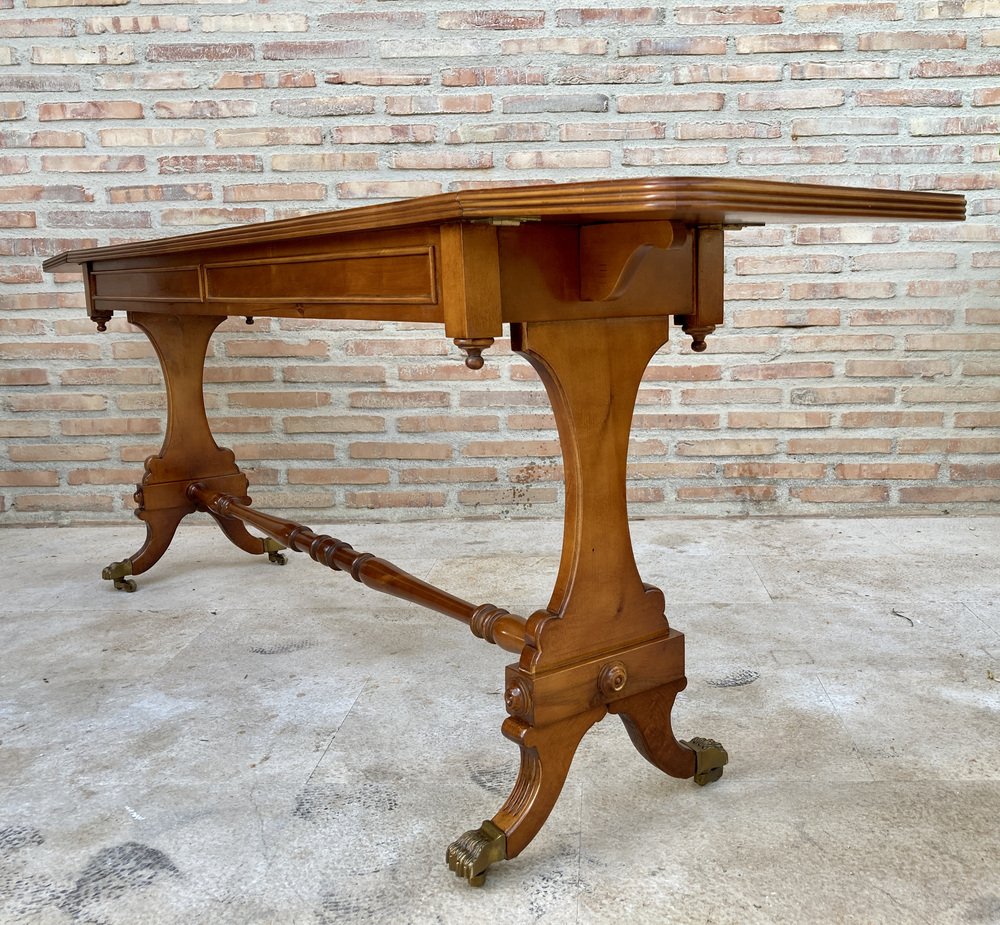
(696, 199)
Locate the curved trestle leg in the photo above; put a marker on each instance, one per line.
(236, 531)
(546, 754)
(161, 525)
(646, 717)
(189, 453)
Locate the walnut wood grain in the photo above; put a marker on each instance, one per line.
(692, 200)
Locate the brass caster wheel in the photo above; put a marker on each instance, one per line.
(710, 759)
(118, 572)
(277, 558)
(470, 855)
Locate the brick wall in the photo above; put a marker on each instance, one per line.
(860, 365)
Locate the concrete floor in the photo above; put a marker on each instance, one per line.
(237, 743)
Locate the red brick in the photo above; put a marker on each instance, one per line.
(21, 478)
(211, 163)
(784, 420)
(492, 19)
(516, 495)
(273, 192)
(965, 418)
(162, 193)
(444, 474)
(948, 445)
(726, 73)
(364, 22)
(803, 370)
(907, 41)
(285, 450)
(883, 471)
(499, 133)
(946, 68)
(789, 43)
(977, 472)
(343, 475)
(840, 494)
(271, 398)
(330, 373)
(836, 446)
(769, 100)
(730, 395)
(79, 427)
(672, 102)
(646, 157)
(679, 45)
(726, 493)
(953, 342)
(848, 70)
(422, 105)
(728, 15)
(760, 470)
(843, 395)
(74, 502)
(25, 429)
(825, 12)
(601, 16)
(701, 372)
(492, 76)
(607, 74)
(292, 51)
(38, 83)
(515, 448)
(556, 46)
(432, 423)
(910, 154)
(334, 424)
(950, 494)
(727, 447)
(387, 189)
(611, 131)
(558, 102)
(233, 51)
(701, 130)
(395, 499)
(897, 368)
(136, 25)
(36, 28)
(85, 55)
(408, 399)
(810, 128)
(90, 110)
(892, 419)
(947, 393)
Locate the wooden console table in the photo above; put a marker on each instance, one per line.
(587, 276)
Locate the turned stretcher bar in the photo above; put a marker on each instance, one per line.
(487, 621)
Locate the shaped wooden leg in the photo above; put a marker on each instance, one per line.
(236, 531)
(189, 453)
(646, 717)
(546, 754)
(161, 526)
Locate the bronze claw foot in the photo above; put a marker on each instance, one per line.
(710, 758)
(471, 854)
(274, 552)
(118, 572)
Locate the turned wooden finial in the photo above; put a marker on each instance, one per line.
(474, 347)
(698, 335)
(101, 319)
